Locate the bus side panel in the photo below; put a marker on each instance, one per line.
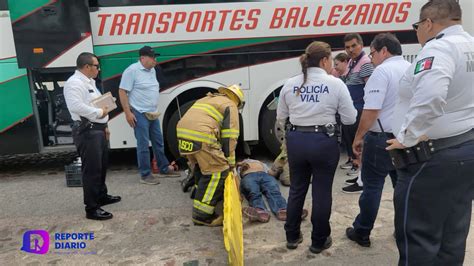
(18, 130)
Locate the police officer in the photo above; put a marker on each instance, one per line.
(375, 129)
(90, 134)
(433, 196)
(311, 100)
(207, 136)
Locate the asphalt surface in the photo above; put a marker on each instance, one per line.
(152, 225)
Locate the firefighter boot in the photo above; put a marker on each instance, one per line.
(213, 221)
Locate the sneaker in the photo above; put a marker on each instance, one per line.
(256, 214)
(294, 245)
(318, 249)
(150, 180)
(171, 173)
(353, 172)
(211, 222)
(362, 240)
(351, 181)
(354, 188)
(347, 165)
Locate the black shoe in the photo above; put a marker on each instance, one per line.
(294, 245)
(110, 200)
(363, 240)
(317, 249)
(352, 189)
(98, 214)
(351, 181)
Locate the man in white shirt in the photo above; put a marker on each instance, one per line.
(375, 129)
(90, 134)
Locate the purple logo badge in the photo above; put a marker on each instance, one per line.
(36, 241)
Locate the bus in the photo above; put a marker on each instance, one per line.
(203, 45)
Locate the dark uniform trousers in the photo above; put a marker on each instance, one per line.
(317, 155)
(92, 147)
(376, 165)
(433, 205)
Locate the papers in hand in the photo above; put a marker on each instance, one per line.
(105, 100)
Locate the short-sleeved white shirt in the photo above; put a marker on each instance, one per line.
(318, 100)
(381, 90)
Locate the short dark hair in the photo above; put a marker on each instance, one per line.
(387, 40)
(441, 10)
(84, 59)
(352, 36)
(342, 57)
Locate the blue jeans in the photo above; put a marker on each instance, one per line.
(376, 165)
(146, 130)
(254, 184)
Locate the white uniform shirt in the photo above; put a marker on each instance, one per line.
(436, 96)
(321, 97)
(381, 90)
(79, 91)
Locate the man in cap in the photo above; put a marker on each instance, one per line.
(207, 136)
(139, 92)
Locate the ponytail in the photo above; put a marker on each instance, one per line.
(312, 57)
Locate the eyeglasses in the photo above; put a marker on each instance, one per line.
(417, 24)
(97, 66)
(372, 54)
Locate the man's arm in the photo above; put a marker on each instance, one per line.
(75, 104)
(126, 108)
(367, 119)
(429, 96)
(230, 133)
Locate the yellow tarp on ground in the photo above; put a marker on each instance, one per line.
(233, 229)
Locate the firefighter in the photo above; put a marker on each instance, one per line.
(207, 136)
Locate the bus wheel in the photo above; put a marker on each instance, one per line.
(271, 133)
(171, 138)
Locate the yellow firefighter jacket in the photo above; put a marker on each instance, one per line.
(212, 122)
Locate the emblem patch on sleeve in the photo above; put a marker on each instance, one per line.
(424, 64)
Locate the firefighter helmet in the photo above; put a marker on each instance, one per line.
(234, 92)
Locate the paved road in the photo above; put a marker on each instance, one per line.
(152, 225)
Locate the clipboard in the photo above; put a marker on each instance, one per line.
(105, 100)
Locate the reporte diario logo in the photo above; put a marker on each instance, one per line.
(37, 242)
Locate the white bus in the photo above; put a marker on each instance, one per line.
(203, 45)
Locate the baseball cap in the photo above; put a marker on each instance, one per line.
(147, 51)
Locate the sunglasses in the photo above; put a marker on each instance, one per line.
(417, 24)
(97, 66)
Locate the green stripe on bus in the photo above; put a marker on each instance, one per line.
(20, 8)
(122, 48)
(114, 65)
(9, 70)
(15, 100)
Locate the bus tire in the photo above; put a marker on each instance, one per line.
(171, 139)
(271, 133)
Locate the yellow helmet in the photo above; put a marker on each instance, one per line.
(235, 93)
